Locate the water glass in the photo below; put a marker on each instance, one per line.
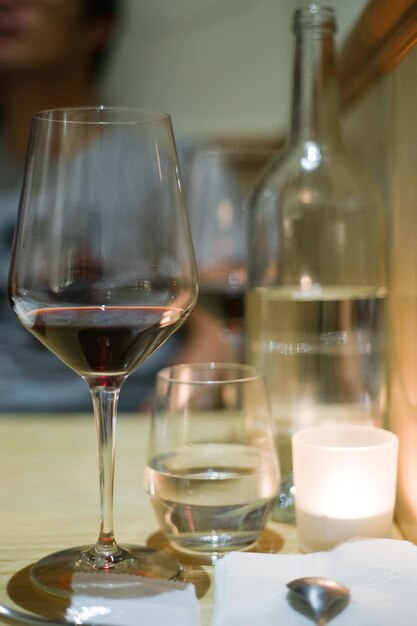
(213, 472)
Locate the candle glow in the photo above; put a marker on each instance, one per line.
(345, 478)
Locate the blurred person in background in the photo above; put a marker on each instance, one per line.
(52, 53)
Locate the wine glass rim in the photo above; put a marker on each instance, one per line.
(134, 115)
(240, 373)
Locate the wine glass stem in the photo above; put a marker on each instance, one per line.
(105, 401)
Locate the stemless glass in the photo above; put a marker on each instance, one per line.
(102, 273)
(213, 472)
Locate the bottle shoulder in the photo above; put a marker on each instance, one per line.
(311, 173)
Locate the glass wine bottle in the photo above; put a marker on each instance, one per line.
(317, 264)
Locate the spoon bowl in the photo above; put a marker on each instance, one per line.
(325, 598)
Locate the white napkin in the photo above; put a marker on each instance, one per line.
(131, 600)
(250, 588)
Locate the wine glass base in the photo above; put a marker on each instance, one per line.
(55, 573)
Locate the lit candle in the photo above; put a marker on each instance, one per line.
(345, 481)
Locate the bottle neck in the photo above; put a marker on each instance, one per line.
(315, 104)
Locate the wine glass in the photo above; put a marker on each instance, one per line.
(221, 175)
(102, 273)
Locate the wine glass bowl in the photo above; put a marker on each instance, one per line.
(102, 273)
(221, 175)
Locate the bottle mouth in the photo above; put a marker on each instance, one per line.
(316, 16)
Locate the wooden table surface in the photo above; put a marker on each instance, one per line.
(49, 501)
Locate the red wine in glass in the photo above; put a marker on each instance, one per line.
(103, 342)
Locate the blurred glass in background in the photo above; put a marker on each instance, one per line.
(220, 177)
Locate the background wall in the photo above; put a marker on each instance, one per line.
(382, 127)
(220, 67)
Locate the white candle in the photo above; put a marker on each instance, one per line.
(345, 481)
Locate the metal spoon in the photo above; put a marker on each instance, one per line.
(325, 598)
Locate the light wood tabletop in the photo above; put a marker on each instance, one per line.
(50, 501)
